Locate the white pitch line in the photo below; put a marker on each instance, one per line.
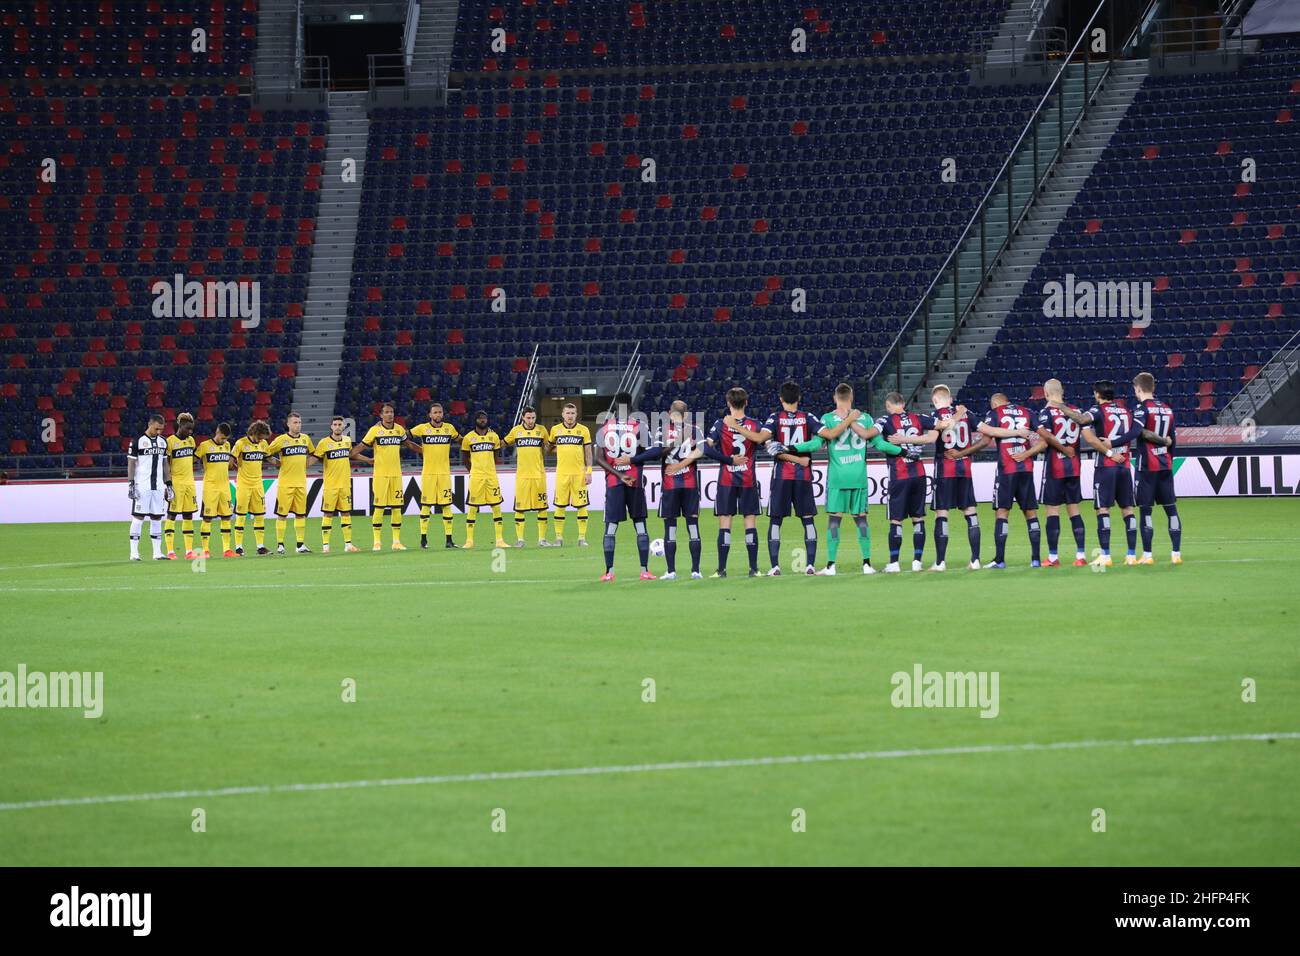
(638, 768)
(329, 585)
(1278, 542)
(218, 581)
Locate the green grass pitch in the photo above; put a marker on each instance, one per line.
(232, 678)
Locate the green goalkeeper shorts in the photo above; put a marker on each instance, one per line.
(846, 501)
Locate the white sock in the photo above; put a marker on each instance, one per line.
(155, 535)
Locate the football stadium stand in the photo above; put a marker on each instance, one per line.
(737, 191)
(1170, 202)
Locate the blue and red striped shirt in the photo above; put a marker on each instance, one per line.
(616, 439)
(1067, 433)
(732, 443)
(1154, 416)
(1111, 420)
(906, 423)
(677, 441)
(1011, 416)
(956, 438)
(791, 428)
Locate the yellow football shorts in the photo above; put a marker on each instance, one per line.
(386, 492)
(571, 491)
(337, 499)
(435, 489)
(291, 499)
(216, 499)
(184, 500)
(530, 494)
(250, 499)
(484, 491)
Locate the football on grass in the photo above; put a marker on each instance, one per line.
(657, 547)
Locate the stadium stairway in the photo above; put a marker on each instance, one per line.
(1027, 244)
(1273, 395)
(325, 311)
(277, 24)
(433, 39)
(1008, 44)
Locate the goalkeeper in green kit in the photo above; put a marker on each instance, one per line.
(846, 483)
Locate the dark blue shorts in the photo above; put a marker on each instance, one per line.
(1061, 491)
(737, 500)
(1112, 486)
(906, 498)
(1015, 488)
(624, 502)
(789, 496)
(680, 502)
(953, 493)
(1155, 488)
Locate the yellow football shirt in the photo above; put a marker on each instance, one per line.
(435, 445)
(293, 454)
(249, 455)
(530, 461)
(335, 453)
(569, 444)
(387, 443)
(479, 451)
(181, 453)
(215, 460)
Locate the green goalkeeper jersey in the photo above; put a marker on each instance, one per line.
(848, 453)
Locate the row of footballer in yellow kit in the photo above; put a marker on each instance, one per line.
(162, 482)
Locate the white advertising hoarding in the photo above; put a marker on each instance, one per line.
(106, 500)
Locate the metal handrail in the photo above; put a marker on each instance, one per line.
(1041, 46)
(315, 73)
(297, 40)
(1141, 27)
(1008, 165)
(629, 375)
(1180, 36)
(530, 383)
(581, 355)
(408, 34)
(1234, 412)
(307, 73)
(386, 69)
(395, 71)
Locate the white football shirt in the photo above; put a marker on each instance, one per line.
(148, 454)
